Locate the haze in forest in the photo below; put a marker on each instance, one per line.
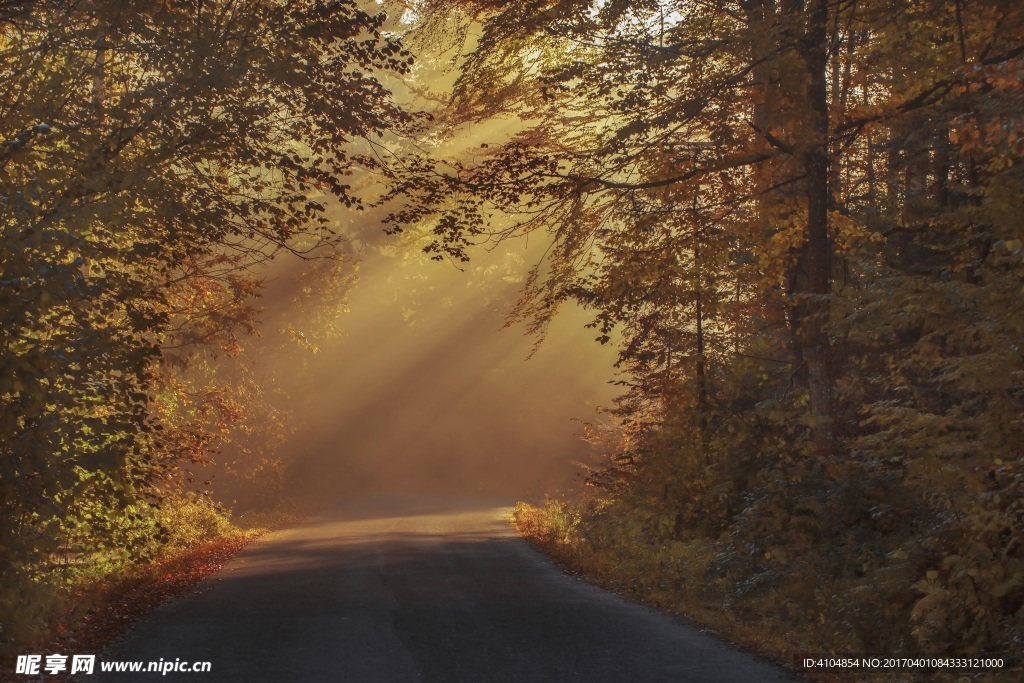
(426, 388)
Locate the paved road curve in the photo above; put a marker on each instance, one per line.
(399, 589)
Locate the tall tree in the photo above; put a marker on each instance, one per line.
(626, 101)
(147, 148)
(854, 166)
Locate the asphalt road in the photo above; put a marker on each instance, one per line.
(416, 589)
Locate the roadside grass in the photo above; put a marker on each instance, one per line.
(84, 601)
(663, 576)
(602, 543)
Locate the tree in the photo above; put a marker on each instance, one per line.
(150, 148)
(629, 101)
(847, 169)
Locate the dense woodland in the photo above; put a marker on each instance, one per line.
(153, 155)
(802, 220)
(799, 220)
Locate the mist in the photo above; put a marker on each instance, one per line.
(424, 387)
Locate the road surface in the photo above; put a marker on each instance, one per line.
(416, 589)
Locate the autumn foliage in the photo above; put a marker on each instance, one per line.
(152, 156)
(801, 223)
(798, 221)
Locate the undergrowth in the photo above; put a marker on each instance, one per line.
(186, 539)
(784, 600)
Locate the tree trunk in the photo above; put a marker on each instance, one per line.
(701, 370)
(813, 277)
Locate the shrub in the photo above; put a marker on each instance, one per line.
(194, 520)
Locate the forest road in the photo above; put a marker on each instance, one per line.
(400, 588)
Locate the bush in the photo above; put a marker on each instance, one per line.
(194, 520)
